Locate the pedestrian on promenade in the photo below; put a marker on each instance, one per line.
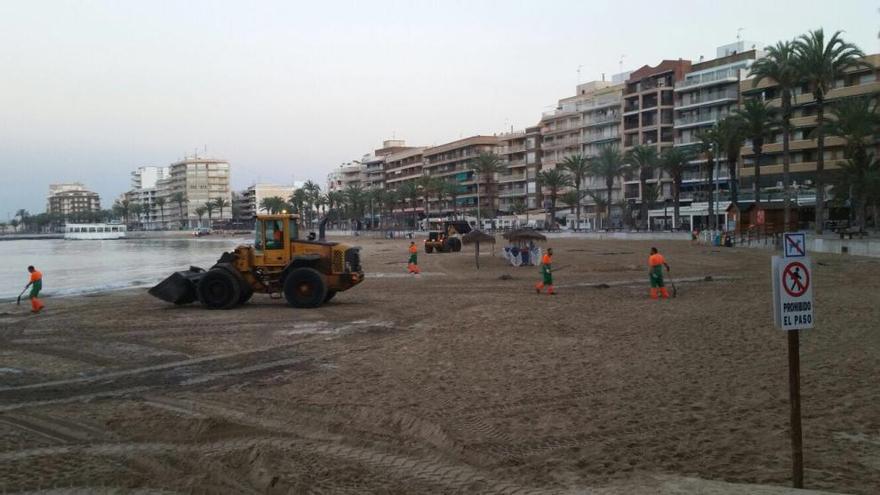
(546, 274)
(413, 264)
(36, 285)
(656, 262)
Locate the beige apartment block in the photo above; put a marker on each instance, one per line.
(853, 83)
(454, 162)
(71, 198)
(648, 114)
(708, 93)
(200, 180)
(520, 152)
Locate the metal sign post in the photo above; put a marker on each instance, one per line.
(792, 312)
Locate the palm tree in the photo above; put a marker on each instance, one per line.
(486, 166)
(859, 181)
(708, 143)
(221, 203)
(452, 190)
(181, 199)
(297, 201)
(608, 166)
(389, 198)
(758, 122)
(571, 198)
(355, 197)
(643, 160)
(137, 209)
(820, 64)
(579, 167)
(780, 65)
(160, 203)
(200, 212)
(553, 179)
(731, 137)
(674, 161)
(409, 191)
(427, 185)
(273, 205)
(601, 204)
(209, 207)
(313, 193)
(855, 120)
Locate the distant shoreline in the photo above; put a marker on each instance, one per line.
(136, 234)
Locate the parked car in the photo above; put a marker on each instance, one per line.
(201, 231)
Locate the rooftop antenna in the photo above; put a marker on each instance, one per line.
(579, 73)
(620, 64)
(739, 33)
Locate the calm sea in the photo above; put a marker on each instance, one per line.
(80, 267)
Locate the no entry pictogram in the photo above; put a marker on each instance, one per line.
(795, 279)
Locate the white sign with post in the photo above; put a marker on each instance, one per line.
(793, 293)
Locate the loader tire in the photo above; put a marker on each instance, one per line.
(219, 289)
(246, 292)
(330, 294)
(429, 249)
(305, 288)
(455, 244)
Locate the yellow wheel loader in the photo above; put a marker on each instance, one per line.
(307, 272)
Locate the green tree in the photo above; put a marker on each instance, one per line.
(427, 186)
(859, 182)
(820, 64)
(601, 204)
(200, 212)
(759, 120)
(209, 207)
(571, 198)
(554, 180)
(731, 137)
(312, 195)
(643, 161)
(674, 161)
(856, 121)
(579, 168)
(181, 199)
(608, 166)
(356, 197)
(220, 203)
(160, 203)
(451, 189)
(273, 205)
(708, 145)
(780, 65)
(137, 210)
(409, 191)
(487, 165)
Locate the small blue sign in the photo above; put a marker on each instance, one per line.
(794, 245)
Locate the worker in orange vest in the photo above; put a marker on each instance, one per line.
(413, 259)
(656, 262)
(36, 285)
(546, 274)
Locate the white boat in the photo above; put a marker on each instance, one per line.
(94, 231)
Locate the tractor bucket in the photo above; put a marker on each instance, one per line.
(180, 287)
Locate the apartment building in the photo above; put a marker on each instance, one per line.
(853, 83)
(520, 152)
(374, 163)
(648, 114)
(453, 162)
(709, 92)
(200, 180)
(70, 199)
(251, 198)
(144, 192)
(349, 174)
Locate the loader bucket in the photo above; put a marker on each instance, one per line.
(180, 287)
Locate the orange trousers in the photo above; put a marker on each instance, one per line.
(36, 305)
(540, 285)
(414, 268)
(663, 292)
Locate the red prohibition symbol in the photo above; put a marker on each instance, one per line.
(795, 279)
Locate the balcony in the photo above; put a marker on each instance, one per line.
(631, 106)
(514, 191)
(706, 99)
(603, 119)
(722, 76)
(699, 118)
(503, 179)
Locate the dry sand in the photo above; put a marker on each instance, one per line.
(455, 381)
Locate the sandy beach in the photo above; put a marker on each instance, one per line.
(457, 381)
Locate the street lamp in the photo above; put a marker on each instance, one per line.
(479, 217)
(665, 216)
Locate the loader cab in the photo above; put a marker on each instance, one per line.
(273, 235)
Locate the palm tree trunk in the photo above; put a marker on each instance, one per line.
(713, 222)
(643, 207)
(676, 201)
(577, 215)
(756, 187)
(608, 188)
(786, 162)
(820, 165)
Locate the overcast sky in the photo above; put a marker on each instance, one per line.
(286, 90)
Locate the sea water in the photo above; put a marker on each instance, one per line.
(83, 267)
